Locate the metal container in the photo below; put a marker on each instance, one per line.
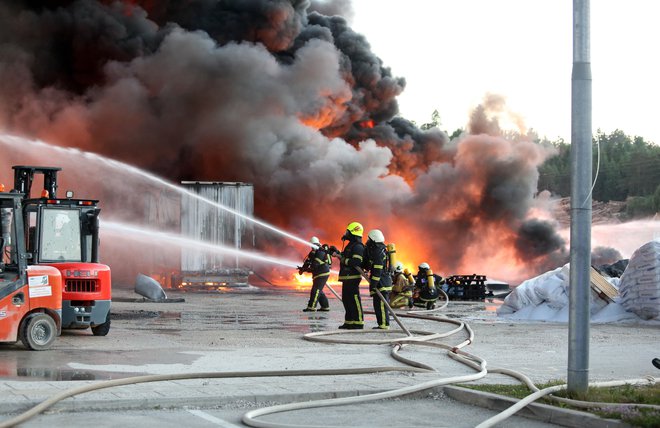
(216, 213)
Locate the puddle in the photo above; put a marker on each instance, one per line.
(67, 374)
(67, 365)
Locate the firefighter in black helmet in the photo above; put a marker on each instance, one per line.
(318, 262)
(350, 277)
(376, 263)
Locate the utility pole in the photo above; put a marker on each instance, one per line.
(581, 160)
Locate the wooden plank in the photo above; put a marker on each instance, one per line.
(600, 285)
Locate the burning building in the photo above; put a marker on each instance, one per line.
(282, 94)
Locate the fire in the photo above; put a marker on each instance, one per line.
(170, 91)
(302, 282)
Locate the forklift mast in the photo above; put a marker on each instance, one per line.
(24, 175)
(63, 234)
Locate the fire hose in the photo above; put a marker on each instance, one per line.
(419, 338)
(41, 407)
(385, 302)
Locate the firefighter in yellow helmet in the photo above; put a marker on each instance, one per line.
(350, 277)
(318, 262)
(376, 262)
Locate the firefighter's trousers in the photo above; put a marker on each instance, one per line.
(400, 300)
(427, 298)
(350, 297)
(382, 314)
(316, 294)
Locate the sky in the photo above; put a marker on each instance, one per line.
(452, 53)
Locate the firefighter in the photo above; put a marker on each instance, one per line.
(376, 262)
(318, 262)
(350, 277)
(402, 288)
(426, 287)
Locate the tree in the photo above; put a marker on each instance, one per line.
(628, 167)
(434, 123)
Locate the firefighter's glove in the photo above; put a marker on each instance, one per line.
(300, 270)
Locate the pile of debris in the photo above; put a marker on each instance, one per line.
(601, 212)
(635, 296)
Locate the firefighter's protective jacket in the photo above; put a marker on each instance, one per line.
(375, 262)
(401, 283)
(421, 285)
(351, 258)
(320, 262)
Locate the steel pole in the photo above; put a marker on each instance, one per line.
(581, 169)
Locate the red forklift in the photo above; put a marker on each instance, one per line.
(63, 233)
(30, 296)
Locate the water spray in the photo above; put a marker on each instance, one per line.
(12, 139)
(192, 243)
(182, 241)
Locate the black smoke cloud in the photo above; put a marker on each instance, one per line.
(283, 94)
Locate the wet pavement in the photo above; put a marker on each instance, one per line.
(253, 330)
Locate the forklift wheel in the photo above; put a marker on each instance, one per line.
(38, 332)
(102, 329)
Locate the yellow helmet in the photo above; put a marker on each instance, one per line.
(355, 228)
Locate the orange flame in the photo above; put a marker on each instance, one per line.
(367, 124)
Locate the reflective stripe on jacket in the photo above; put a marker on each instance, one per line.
(351, 258)
(321, 262)
(376, 263)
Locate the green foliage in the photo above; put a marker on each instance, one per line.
(519, 391)
(638, 394)
(457, 133)
(656, 199)
(434, 123)
(639, 417)
(628, 167)
(640, 206)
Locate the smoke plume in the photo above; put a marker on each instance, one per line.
(282, 94)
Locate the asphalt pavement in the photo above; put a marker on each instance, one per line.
(256, 337)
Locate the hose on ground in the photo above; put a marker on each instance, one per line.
(546, 391)
(421, 338)
(399, 344)
(39, 408)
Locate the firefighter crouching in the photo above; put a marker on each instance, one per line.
(426, 287)
(350, 277)
(318, 262)
(376, 263)
(402, 287)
